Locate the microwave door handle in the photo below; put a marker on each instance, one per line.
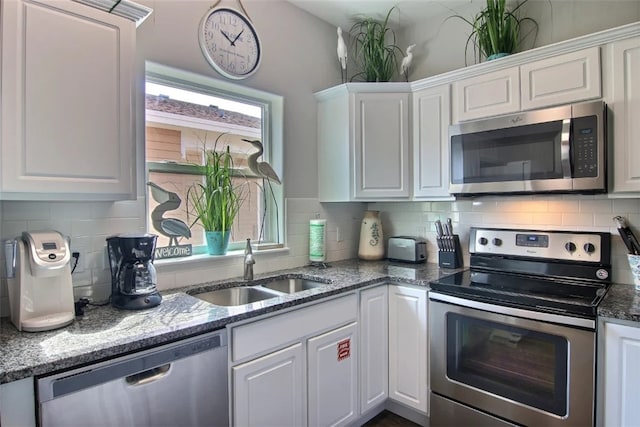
(565, 148)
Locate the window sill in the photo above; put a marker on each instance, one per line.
(213, 259)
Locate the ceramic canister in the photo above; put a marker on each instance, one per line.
(371, 238)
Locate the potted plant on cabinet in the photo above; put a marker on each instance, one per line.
(497, 31)
(375, 49)
(216, 200)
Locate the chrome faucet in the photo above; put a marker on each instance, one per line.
(248, 261)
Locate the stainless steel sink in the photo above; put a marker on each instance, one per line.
(291, 286)
(236, 296)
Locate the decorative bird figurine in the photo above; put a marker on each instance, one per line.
(406, 62)
(170, 227)
(262, 169)
(342, 55)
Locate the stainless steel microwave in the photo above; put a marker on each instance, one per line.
(560, 149)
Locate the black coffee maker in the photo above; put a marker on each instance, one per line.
(133, 276)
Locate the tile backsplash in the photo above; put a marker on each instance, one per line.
(88, 224)
(553, 212)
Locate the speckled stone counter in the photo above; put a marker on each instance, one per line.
(106, 332)
(622, 302)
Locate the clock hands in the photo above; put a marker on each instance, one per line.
(226, 36)
(238, 36)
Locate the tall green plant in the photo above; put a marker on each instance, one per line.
(216, 200)
(496, 29)
(375, 49)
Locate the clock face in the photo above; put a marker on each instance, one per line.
(230, 43)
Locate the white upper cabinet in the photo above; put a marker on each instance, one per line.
(431, 120)
(561, 79)
(622, 85)
(490, 94)
(363, 142)
(67, 96)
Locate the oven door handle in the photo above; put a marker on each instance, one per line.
(517, 312)
(565, 148)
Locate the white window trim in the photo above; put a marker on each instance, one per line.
(272, 131)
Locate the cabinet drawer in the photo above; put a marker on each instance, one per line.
(275, 332)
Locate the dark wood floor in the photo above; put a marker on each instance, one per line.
(389, 419)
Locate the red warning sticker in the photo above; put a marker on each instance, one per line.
(344, 349)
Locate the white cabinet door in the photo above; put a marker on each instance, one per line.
(270, 390)
(431, 120)
(381, 146)
(621, 375)
(67, 125)
(408, 360)
(561, 79)
(374, 355)
(490, 94)
(333, 377)
(623, 79)
(363, 142)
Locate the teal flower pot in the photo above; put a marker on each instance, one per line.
(497, 55)
(217, 242)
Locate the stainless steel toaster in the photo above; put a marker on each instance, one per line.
(407, 249)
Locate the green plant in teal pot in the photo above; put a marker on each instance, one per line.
(497, 30)
(217, 200)
(375, 49)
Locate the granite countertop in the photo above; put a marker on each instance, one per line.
(105, 332)
(622, 302)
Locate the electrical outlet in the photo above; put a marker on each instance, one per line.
(81, 261)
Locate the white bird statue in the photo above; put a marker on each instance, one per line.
(342, 55)
(262, 169)
(406, 62)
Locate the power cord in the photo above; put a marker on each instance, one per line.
(76, 256)
(82, 303)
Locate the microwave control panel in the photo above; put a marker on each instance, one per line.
(585, 147)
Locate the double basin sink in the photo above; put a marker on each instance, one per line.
(265, 289)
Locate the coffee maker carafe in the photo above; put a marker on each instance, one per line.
(133, 276)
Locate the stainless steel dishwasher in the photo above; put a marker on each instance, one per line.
(179, 384)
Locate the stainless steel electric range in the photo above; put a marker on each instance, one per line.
(513, 337)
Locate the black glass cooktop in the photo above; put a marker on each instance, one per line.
(555, 295)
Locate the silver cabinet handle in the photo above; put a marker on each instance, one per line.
(148, 376)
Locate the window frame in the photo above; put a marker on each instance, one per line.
(272, 136)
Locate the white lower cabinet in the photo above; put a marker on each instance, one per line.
(621, 375)
(269, 391)
(408, 355)
(333, 377)
(374, 354)
(298, 368)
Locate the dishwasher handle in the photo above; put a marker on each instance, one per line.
(148, 376)
(138, 365)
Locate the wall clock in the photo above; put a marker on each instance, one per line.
(230, 43)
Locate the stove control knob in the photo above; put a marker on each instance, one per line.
(589, 248)
(497, 241)
(570, 247)
(483, 241)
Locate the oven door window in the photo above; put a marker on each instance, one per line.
(521, 153)
(522, 365)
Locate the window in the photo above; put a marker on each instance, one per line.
(187, 112)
